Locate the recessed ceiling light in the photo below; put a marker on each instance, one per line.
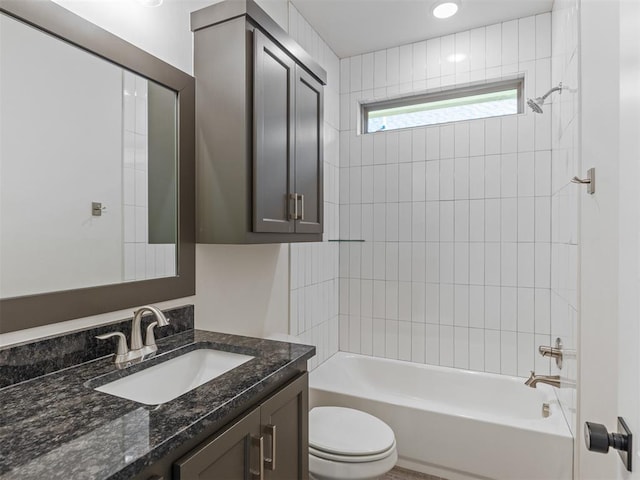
(150, 3)
(445, 9)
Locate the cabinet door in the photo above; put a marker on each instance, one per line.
(309, 152)
(234, 455)
(273, 137)
(285, 428)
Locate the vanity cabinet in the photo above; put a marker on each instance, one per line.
(259, 129)
(270, 441)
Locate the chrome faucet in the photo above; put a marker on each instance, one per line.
(138, 351)
(553, 380)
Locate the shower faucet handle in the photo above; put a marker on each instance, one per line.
(553, 352)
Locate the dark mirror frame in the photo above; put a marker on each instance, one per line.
(42, 309)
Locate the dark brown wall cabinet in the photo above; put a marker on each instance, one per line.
(259, 123)
(270, 442)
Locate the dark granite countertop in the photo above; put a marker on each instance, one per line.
(58, 426)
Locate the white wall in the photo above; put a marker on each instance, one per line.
(564, 200)
(455, 267)
(60, 150)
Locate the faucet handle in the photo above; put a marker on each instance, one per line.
(122, 348)
(149, 339)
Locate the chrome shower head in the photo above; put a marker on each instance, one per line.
(536, 104)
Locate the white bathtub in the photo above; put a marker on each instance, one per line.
(453, 423)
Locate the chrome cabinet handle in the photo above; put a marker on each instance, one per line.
(294, 215)
(259, 441)
(302, 207)
(271, 462)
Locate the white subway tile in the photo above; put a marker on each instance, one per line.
(432, 292)
(404, 302)
(345, 75)
(392, 181)
(432, 181)
(509, 175)
(476, 138)
(418, 302)
(526, 310)
(493, 53)
(476, 177)
(379, 184)
(419, 61)
(492, 220)
(355, 76)
(492, 136)
(462, 52)
(393, 66)
(446, 346)
(492, 267)
(392, 147)
(543, 35)
(526, 132)
(447, 179)
(492, 307)
(447, 50)
(354, 261)
(418, 222)
(542, 297)
(406, 63)
(526, 175)
(447, 144)
(476, 264)
(354, 334)
(461, 220)
(433, 143)
(418, 148)
(355, 185)
(404, 341)
(379, 337)
(543, 173)
(392, 222)
(461, 305)
(509, 260)
(477, 49)
(379, 222)
(526, 352)
(366, 148)
(419, 182)
(366, 265)
(542, 219)
(492, 179)
(404, 261)
(476, 306)
(526, 265)
(367, 71)
(379, 299)
(432, 221)
(508, 353)
(461, 263)
(446, 221)
(367, 184)
(379, 148)
(405, 171)
(433, 344)
(461, 178)
(405, 150)
(418, 343)
(526, 216)
(391, 339)
(492, 351)
(510, 42)
(433, 58)
(404, 222)
(391, 300)
(509, 220)
(543, 265)
(366, 335)
(527, 39)
(432, 262)
(446, 262)
(476, 220)
(509, 134)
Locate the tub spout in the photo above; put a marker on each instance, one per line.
(553, 380)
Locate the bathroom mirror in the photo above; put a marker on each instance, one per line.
(96, 170)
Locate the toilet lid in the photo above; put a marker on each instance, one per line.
(348, 432)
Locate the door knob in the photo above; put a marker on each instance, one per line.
(598, 439)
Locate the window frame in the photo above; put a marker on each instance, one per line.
(449, 94)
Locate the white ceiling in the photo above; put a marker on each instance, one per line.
(351, 27)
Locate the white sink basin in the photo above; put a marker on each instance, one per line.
(168, 380)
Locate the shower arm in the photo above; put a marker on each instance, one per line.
(554, 89)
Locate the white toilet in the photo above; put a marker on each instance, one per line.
(347, 444)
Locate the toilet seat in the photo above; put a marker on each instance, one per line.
(348, 435)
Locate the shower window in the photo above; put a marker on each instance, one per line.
(469, 103)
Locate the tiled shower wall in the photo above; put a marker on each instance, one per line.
(313, 267)
(141, 259)
(454, 269)
(564, 200)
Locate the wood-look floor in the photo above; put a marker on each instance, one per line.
(403, 474)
